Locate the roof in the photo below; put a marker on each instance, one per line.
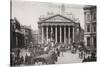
(56, 18)
(89, 7)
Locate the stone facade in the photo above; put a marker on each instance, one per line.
(90, 27)
(59, 29)
(16, 36)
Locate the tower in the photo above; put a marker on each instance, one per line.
(62, 9)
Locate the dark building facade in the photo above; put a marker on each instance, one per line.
(27, 32)
(16, 37)
(90, 26)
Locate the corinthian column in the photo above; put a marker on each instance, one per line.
(60, 35)
(51, 32)
(73, 33)
(47, 33)
(68, 34)
(55, 34)
(64, 34)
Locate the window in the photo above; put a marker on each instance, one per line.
(88, 27)
(88, 41)
(88, 17)
(94, 27)
(94, 16)
(94, 41)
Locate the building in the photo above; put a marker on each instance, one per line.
(16, 37)
(90, 26)
(81, 35)
(60, 29)
(27, 31)
(35, 37)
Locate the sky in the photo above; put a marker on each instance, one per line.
(28, 12)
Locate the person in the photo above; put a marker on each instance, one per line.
(18, 53)
(58, 52)
(61, 48)
(90, 58)
(46, 49)
(12, 59)
(86, 59)
(17, 60)
(53, 58)
(93, 57)
(80, 52)
(22, 60)
(50, 58)
(17, 57)
(26, 59)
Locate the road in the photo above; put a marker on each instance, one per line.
(68, 57)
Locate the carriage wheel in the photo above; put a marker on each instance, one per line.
(40, 63)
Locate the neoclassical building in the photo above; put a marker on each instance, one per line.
(59, 29)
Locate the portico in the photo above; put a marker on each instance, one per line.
(57, 28)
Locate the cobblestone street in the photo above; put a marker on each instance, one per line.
(68, 57)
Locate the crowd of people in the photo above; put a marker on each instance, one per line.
(18, 59)
(52, 55)
(15, 58)
(85, 54)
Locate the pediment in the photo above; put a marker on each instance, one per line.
(57, 18)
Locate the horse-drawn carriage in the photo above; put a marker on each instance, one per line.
(37, 55)
(47, 56)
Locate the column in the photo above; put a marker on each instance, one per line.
(73, 33)
(47, 33)
(68, 34)
(42, 35)
(51, 32)
(64, 34)
(60, 34)
(55, 34)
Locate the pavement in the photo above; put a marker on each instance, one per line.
(68, 57)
